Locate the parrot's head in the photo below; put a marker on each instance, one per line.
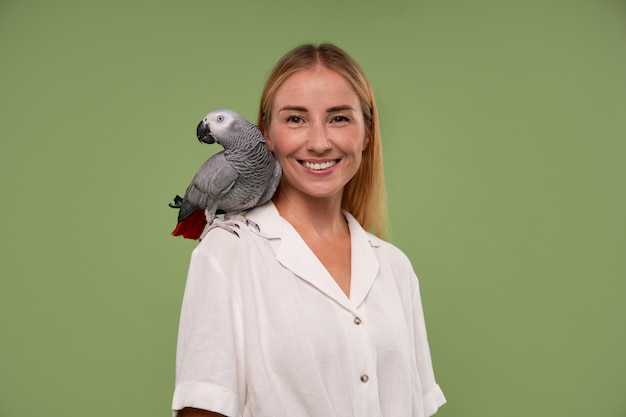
(218, 126)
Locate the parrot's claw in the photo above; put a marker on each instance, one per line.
(227, 225)
(244, 220)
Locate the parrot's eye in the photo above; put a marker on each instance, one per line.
(220, 118)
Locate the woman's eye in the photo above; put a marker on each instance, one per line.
(293, 119)
(340, 119)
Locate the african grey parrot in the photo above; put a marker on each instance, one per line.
(242, 176)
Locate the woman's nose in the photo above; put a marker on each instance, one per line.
(318, 140)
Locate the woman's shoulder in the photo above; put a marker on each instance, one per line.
(228, 258)
(393, 252)
(220, 241)
(380, 246)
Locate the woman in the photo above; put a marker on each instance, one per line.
(310, 315)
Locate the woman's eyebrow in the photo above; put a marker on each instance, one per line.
(303, 109)
(340, 108)
(293, 108)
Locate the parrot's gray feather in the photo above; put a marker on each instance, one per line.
(272, 185)
(239, 178)
(215, 177)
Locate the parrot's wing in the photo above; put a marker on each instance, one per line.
(215, 177)
(272, 185)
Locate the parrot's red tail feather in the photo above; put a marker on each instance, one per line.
(191, 227)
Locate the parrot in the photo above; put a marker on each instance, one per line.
(240, 177)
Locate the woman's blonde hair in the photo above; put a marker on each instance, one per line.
(364, 196)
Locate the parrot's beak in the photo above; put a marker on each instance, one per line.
(204, 133)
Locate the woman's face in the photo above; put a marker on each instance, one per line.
(317, 132)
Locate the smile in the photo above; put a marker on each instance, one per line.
(319, 166)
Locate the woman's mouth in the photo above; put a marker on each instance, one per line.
(319, 166)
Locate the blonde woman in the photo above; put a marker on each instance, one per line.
(314, 314)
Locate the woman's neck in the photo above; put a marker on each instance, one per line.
(313, 216)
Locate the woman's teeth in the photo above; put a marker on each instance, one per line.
(319, 166)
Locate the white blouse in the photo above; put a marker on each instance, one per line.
(265, 331)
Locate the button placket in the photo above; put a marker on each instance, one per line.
(365, 365)
(357, 321)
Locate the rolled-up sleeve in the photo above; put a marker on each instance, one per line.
(432, 395)
(208, 369)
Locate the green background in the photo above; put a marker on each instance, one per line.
(503, 124)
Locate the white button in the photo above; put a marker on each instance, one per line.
(364, 378)
(357, 321)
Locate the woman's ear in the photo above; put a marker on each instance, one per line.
(366, 140)
(270, 144)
